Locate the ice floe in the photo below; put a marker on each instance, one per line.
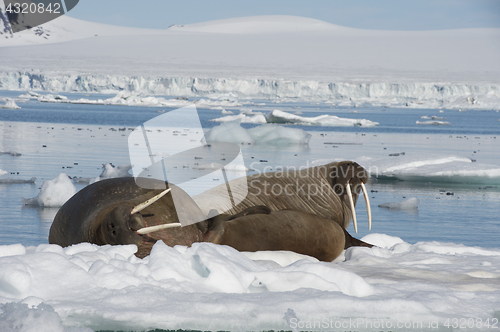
(277, 116)
(433, 123)
(54, 193)
(273, 134)
(10, 104)
(408, 204)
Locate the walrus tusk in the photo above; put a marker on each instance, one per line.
(368, 208)
(151, 229)
(351, 202)
(150, 201)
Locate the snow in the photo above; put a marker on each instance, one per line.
(54, 193)
(65, 29)
(408, 204)
(272, 134)
(213, 287)
(292, 57)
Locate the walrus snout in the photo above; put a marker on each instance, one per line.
(348, 179)
(120, 226)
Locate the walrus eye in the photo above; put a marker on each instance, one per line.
(143, 205)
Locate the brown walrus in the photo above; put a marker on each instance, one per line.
(308, 222)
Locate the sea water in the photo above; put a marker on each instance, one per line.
(78, 139)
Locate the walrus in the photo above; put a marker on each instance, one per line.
(258, 228)
(118, 211)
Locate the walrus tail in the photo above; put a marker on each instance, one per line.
(353, 242)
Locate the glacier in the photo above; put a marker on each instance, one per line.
(415, 95)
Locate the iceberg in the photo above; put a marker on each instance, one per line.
(277, 116)
(272, 134)
(54, 193)
(10, 104)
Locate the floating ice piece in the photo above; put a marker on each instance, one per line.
(51, 98)
(265, 134)
(226, 112)
(230, 132)
(2, 172)
(433, 123)
(54, 193)
(10, 104)
(110, 171)
(434, 117)
(277, 116)
(258, 118)
(409, 204)
(16, 181)
(278, 135)
(12, 153)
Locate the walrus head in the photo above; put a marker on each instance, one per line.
(120, 226)
(348, 179)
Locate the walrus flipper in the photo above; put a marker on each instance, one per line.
(353, 242)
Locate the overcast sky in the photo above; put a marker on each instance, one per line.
(365, 14)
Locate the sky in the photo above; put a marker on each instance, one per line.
(363, 14)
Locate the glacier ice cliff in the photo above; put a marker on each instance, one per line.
(417, 95)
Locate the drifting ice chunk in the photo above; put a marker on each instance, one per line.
(10, 104)
(433, 123)
(409, 204)
(243, 118)
(17, 181)
(273, 134)
(54, 193)
(226, 112)
(230, 132)
(109, 171)
(278, 135)
(278, 116)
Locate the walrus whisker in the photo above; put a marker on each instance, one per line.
(151, 229)
(368, 208)
(150, 201)
(351, 202)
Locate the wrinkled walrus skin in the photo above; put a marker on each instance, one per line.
(292, 220)
(317, 190)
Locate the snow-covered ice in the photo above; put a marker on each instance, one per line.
(54, 193)
(277, 116)
(10, 104)
(212, 287)
(297, 58)
(433, 123)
